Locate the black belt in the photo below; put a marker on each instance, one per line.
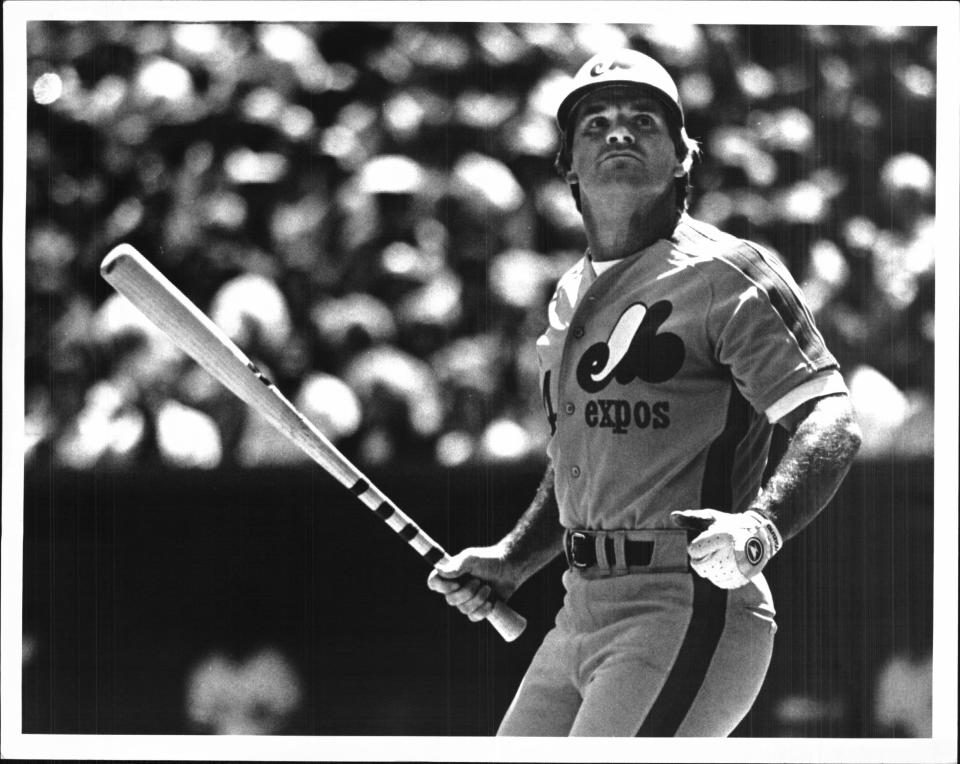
(581, 551)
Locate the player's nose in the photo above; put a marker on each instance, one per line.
(619, 134)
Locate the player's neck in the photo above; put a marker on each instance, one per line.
(619, 227)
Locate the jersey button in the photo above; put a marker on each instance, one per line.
(569, 408)
(575, 471)
(578, 332)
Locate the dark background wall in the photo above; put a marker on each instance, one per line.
(129, 579)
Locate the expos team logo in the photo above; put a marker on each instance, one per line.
(634, 350)
(603, 66)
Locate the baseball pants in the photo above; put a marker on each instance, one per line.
(647, 654)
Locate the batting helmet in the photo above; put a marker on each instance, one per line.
(621, 67)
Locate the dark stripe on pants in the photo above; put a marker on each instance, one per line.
(693, 660)
(709, 602)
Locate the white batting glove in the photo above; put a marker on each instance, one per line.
(733, 548)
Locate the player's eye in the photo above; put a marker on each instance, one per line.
(645, 120)
(595, 122)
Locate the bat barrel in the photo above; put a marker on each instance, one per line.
(133, 276)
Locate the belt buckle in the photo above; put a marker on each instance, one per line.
(576, 539)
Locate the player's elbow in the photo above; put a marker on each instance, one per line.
(834, 429)
(854, 435)
(847, 429)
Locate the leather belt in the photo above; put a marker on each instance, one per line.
(607, 552)
(582, 551)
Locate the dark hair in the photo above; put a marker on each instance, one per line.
(687, 150)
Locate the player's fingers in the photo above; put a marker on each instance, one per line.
(477, 602)
(464, 593)
(482, 612)
(708, 543)
(703, 514)
(442, 585)
(450, 568)
(448, 571)
(700, 565)
(696, 519)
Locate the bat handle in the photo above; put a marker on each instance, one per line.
(507, 621)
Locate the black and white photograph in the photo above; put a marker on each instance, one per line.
(428, 381)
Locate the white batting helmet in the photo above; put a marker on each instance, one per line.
(620, 67)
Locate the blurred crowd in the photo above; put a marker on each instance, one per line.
(370, 211)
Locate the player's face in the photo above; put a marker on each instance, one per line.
(621, 142)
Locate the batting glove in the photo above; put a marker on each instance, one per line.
(733, 548)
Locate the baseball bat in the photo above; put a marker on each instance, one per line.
(133, 276)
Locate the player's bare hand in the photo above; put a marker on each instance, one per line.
(470, 579)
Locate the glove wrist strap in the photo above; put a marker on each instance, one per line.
(771, 531)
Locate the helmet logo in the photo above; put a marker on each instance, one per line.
(600, 67)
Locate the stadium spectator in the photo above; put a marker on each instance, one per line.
(374, 204)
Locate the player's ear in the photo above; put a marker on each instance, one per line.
(572, 177)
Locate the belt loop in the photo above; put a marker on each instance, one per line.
(620, 552)
(600, 548)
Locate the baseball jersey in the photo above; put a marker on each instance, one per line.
(662, 376)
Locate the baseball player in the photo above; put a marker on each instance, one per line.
(672, 351)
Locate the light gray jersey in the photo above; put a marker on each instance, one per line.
(656, 375)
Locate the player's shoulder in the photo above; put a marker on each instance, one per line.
(723, 256)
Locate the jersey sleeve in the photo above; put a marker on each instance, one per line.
(828, 382)
(761, 327)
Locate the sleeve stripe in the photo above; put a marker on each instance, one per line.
(784, 300)
(794, 315)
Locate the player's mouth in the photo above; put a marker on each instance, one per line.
(620, 155)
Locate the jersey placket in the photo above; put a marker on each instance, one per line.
(571, 472)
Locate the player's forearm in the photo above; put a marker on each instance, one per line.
(537, 537)
(816, 461)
